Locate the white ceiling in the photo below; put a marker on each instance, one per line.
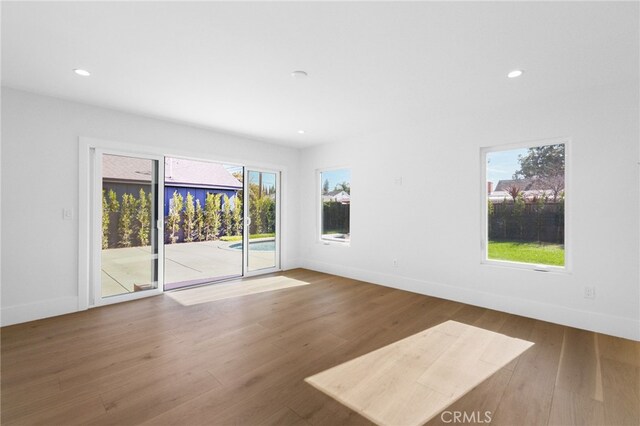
(372, 66)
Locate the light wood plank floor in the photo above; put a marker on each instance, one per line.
(414, 379)
(243, 361)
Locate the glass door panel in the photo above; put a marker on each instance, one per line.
(262, 200)
(130, 236)
(203, 217)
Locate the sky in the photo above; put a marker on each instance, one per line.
(335, 177)
(234, 169)
(502, 165)
(268, 179)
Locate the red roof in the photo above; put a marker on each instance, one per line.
(177, 171)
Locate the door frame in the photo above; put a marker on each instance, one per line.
(85, 179)
(245, 238)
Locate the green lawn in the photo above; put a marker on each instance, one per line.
(541, 254)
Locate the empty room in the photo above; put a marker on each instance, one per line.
(320, 213)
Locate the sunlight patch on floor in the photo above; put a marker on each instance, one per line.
(237, 288)
(410, 381)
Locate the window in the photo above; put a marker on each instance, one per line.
(335, 204)
(524, 205)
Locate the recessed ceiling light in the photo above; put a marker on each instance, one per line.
(301, 132)
(82, 72)
(299, 74)
(515, 73)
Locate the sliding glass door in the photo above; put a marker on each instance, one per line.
(127, 232)
(162, 223)
(204, 220)
(262, 218)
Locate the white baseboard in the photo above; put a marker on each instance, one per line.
(291, 264)
(37, 310)
(607, 324)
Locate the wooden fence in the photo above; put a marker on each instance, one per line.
(335, 217)
(534, 224)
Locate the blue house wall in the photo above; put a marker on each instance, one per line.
(197, 193)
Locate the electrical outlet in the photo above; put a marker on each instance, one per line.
(589, 292)
(395, 263)
(67, 214)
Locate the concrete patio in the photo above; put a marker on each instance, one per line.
(184, 262)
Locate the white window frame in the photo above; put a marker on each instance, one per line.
(319, 203)
(484, 235)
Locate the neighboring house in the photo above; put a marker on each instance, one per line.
(338, 196)
(128, 175)
(528, 187)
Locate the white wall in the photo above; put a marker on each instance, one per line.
(40, 178)
(432, 227)
(431, 223)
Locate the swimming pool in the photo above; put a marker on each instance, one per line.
(256, 246)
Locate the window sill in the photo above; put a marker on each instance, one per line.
(563, 270)
(334, 242)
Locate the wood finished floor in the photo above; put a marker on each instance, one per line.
(414, 379)
(243, 361)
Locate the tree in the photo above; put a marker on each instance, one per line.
(514, 190)
(556, 185)
(227, 219)
(189, 223)
(237, 215)
(125, 224)
(325, 186)
(344, 186)
(545, 165)
(200, 235)
(174, 217)
(541, 162)
(212, 216)
(143, 216)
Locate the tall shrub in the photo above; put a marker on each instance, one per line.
(560, 218)
(227, 218)
(537, 206)
(270, 213)
(110, 205)
(105, 220)
(199, 222)
(143, 215)
(503, 214)
(256, 217)
(490, 212)
(518, 211)
(125, 224)
(189, 224)
(212, 216)
(174, 217)
(237, 215)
